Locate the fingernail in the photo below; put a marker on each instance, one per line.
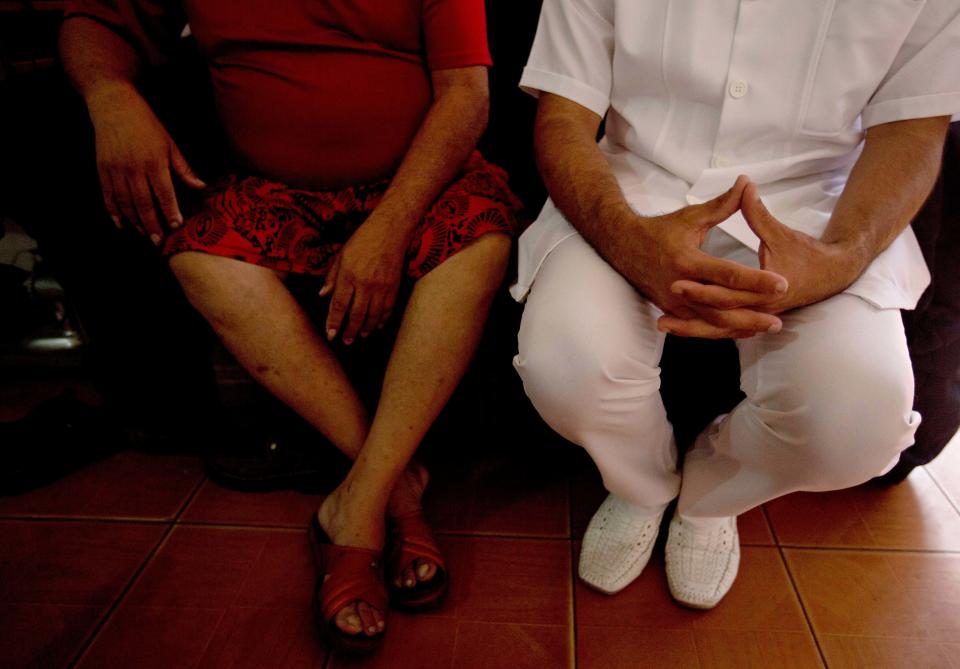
(116, 220)
(676, 289)
(775, 328)
(331, 334)
(155, 238)
(663, 328)
(781, 286)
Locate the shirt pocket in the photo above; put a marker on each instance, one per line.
(855, 47)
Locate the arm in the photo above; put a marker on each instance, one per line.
(366, 274)
(135, 155)
(889, 183)
(650, 252)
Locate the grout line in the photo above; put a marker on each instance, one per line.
(92, 636)
(936, 482)
(803, 606)
(871, 549)
(186, 503)
(90, 519)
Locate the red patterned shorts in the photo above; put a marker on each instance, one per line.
(270, 224)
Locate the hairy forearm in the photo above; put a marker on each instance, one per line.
(577, 176)
(95, 58)
(447, 136)
(889, 183)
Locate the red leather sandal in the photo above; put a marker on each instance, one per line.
(356, 574)
(410, 540)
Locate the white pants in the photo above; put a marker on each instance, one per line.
(828, 398)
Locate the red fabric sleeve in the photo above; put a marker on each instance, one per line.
(151, 26)
(455, 33)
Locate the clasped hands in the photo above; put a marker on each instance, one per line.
(715, 298)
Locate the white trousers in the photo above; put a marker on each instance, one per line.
(828, 400)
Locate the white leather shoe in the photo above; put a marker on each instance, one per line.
(618, 544)
(702, 560)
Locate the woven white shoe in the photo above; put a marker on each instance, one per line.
(618, 544)
(702, 560)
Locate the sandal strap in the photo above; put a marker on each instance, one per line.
(413, 540)
(355, 575)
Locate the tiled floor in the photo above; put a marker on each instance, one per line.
(140, 562)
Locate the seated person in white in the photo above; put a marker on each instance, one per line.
(760, 165)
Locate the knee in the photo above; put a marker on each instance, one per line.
(205, 288)
(578, 377)
(844, 431)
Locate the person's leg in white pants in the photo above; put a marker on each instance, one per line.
(828, 406)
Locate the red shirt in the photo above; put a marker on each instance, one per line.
(316, 93)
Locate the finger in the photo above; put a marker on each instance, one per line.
(124, 199)
(720, 297)
(739, 319)
(162, 187)
(734, 275)
(146, 210)
(389, 302)
(331, 279)
(183, 169)
(339, 303)
(758, 217)
(374, 315)
(358, 313)
(106, 186)
(724, 205)
(696, 327)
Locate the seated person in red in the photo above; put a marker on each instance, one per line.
(355, 123)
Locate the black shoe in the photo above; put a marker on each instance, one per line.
(55, 439)
(268, 462)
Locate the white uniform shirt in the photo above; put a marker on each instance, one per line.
(697, 92)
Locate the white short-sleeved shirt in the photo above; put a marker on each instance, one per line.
(696, 93)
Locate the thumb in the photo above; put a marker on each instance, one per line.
(758, 217)
(724, 205)
(183, 170)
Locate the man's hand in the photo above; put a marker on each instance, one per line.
(664, 250)
(135, 158)
(364, 279)
(814, 269)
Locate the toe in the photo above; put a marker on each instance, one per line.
(369, 617)
(348, 620)
(426, 570)
(409, 577)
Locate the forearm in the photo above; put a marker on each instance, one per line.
(95, 58)
(447, 136)
(899, 164)
(577, 176)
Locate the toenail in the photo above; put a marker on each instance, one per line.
(409, 582)
(371, 629)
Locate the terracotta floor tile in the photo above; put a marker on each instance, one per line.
(613, 647)
(129, 485)
(286, 508)
(217, 597)
(500, 496)
(762, 599)
(850, 652)
(946, 469)
(413, 642)
(44, 635)
(721, 649)
(878, 593)
(508, 580)
(511, 646)
(912, 515)
(58, 579)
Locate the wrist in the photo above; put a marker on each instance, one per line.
(107, 95)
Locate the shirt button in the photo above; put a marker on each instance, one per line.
(738, 89)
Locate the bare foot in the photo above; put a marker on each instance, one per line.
(347, 527)
(405, 499)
